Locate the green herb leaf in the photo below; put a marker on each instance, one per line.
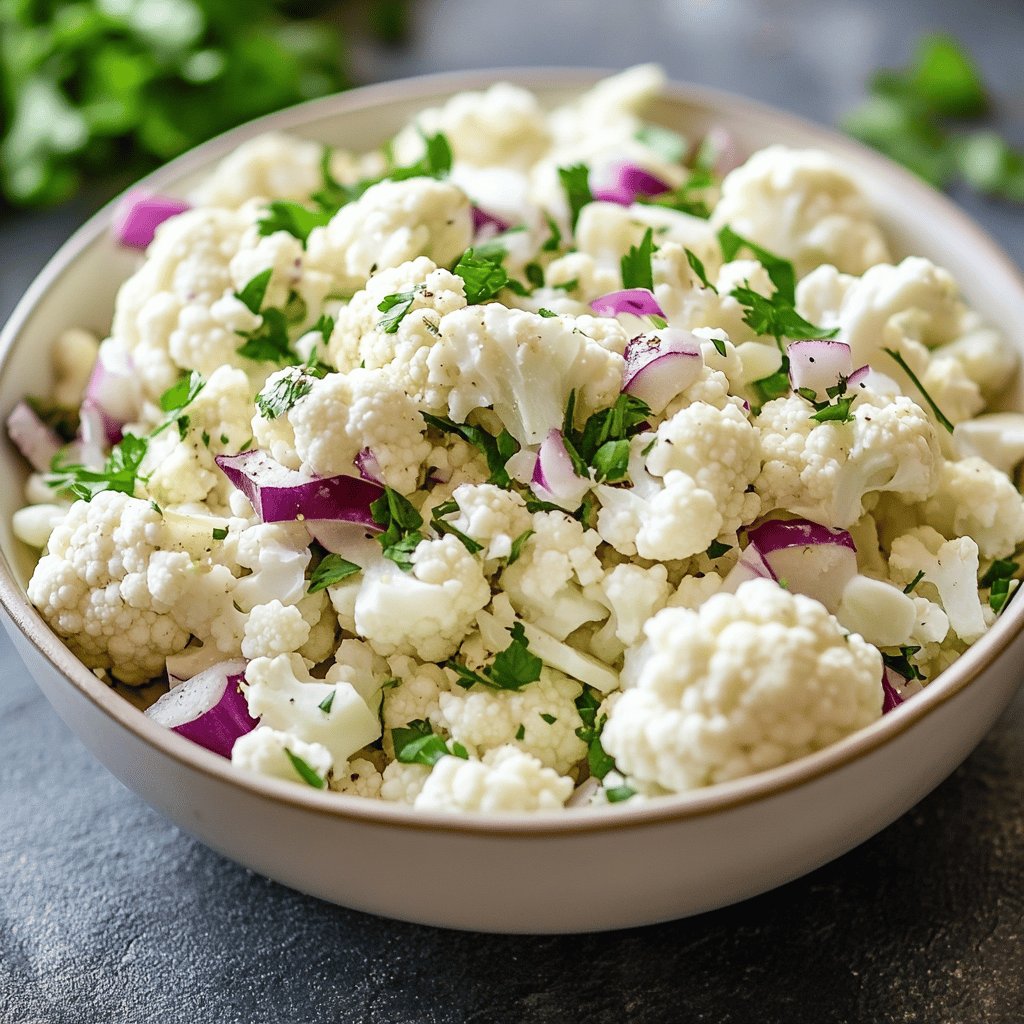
(327, 703)
(442, 526)
(521, 732)
(611, 461)
(780, 270)
(616, 794)
(716, 549)
(253, 294)
(119, 473)
(496, 450)
(636, 264)
(550, 719)
(775, 385)
(279, 397)
(401, 551)
(576, 183)
(397, 515)
(946, 79)
(835, 413)
(624, 419)
(304, 771)
(687, 198)
(512, 669)
(295, 218)
(417, 743)
(1000, 569)
(554, 241)
(517, 546)
(697, 266)
(775, 317)
(902, 363)
(183, 393)
(331, 570)
(396, 306)
(912, 585)
(63, 421)
(669, 145)
(220, 533)
(269, 343)
(545, 312)
(483, 277)
(901, 663)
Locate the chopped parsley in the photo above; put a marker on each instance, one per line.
(616, 794)
(716, 549)
(554, 241)
(575, 181)
(304, 771)
(439, 523)
(720, 348)
(543, 311)
(277, 398)
(395, 306)
(550, 719)
(401, 524)
(220, 533)
(521, 732)
(775, 385)
(119, 473)
(599, 761)
(327, 703)
(496, 450)
(780, 270)
(775, 316)
(63, 422)
(687, 198)
(253, 294)
(512, 669)
(1000, 579)
(603, 443)
(902, 363)
(901, 663)
(697, 266)
(295, 218)
(483, 276)
(517, 546)
(177, 397)
(332, 569)
(417, 743)
(912, 585)
(636, 264)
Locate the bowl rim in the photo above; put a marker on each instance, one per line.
(692, 804)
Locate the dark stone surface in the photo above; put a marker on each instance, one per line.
(109, 915)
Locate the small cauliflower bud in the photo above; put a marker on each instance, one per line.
(523, 366)
(492, 516)
(540, 719)
(545, 584)
(950, 570)
(402, 783)
(266, 750)
(277, 555)
(824, 471)
(633, 594)
(293, 286)
(358, 339)
(416, 694)
(359, 777)
(272, 629)
(283, 695)
(425, 612)
(803, 206)
(391, 223)
(507, 780)
(974, 499)
(749, 681)
(91, 587)
(343, 413)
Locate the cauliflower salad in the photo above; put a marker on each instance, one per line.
(542, 458)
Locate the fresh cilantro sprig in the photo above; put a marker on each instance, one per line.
(903, 365)
(483, 276)
(901, 663)
(575, 181)
(599, 761)
(332, 569)
(497, 450)
(120, 472)
(517, 546)
(278, 397)
(417, 743)
(636, 263)
(401, 523)
(835, 408)
(395, 307)
(512, 669)
(269, 342)
(779, 269)
(603, 442)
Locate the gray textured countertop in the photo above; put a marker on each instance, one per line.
(108, 914)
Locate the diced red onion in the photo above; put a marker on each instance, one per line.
(32, 437)
(113, 388)
(723, 149)
(353, 540)
(880, 383)
(818, 364)
(522, 465)
(483, 219)
(554, 477)
(584, 792)
(627, 183)
(638, 301)
(140, 214)
(662, 366)
(750, 566)
(279, 494)
(368, 466)
(812, 559)
(92, 435)
(896, 689)
(208, 709)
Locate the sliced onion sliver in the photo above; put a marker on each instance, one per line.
(818, 364)
(554, 476)
(140, 214)
(208, 709)
(113, 389)
(722, 149)
(350, 540)
(93, 440)
(628, 183)
(896, 689)
(279, 494)
(482, 219)
(32, 437)
(368, 466)
(659, 367)
(751, 566)
(812, 559)
(638, 301)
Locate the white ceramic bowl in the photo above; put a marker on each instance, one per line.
(590, 869)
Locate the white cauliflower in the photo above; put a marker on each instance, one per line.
(416, 694)
(824, 471)
(388, 225)
(540, 719)
(803, 206)
(523, 366)
(283, 695)
(266, 750)
(272, 629)
(425, 612)
(506, 780)
(749, 681)
(492, 516)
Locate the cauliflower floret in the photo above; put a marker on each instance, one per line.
(633, 594)
(402, 783)
(749, 681)
(358, 778)
(491, 516)
(802, 205)
(825, 470)
(74, 355)
(975, 500)
(391, 223)
(983, 355)
(693, 591)
(997, 437)
(545, 583)
(91, 586)
(416, 696)
(425, 612)
(343, 413)
(506, 780)
(272, 629)
(266, 750)
(524, 366)
(950, 570)
(283, 695)
(540, 719)
(358, 340)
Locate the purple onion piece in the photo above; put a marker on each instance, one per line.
(627, 183)
(209, 709)
(777, 534)
(722, 149)
(554, 477)
(750, 566)
(659, 367)
(279, 494)
(482, 219)
(368, 466)
(638, 301)
(110, 389)
(896, 689)
(93, 444)
(818, 364)
(140, 214)
(36, 441)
